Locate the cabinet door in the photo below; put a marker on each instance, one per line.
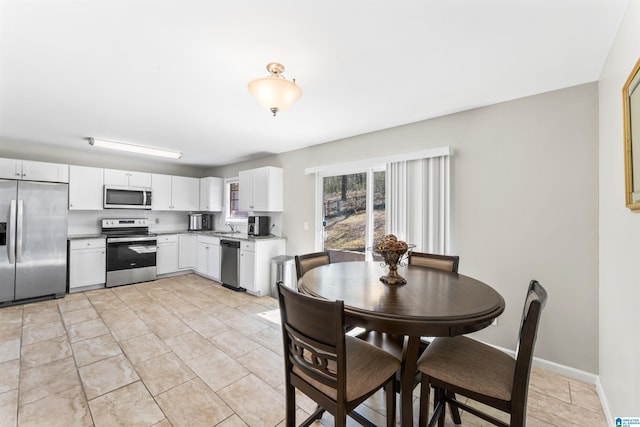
(167, 258)
(85, 188)
(187, 251)
(43, 171)
(116, 177)
(202, 262)
(260, 189)
(214, 261)
(10, 168)
(245, 198)
(247, 270)
(139, 179)
(127, 178)
(185, 193)
(87, 267)
(87, 262)
(161, 192)
(211, 191)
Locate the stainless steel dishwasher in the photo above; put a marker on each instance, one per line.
(230, 264)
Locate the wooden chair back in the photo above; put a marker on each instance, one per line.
(441, 262)
(313, 349)
(534, 303)
(306, 262)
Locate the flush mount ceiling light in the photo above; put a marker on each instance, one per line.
(132, 148)
(274, 92)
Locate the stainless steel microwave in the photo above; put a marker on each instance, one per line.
(116, 197)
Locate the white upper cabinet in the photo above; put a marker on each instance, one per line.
(33, 171)
(160, 192)
(127, 178)
(175, 193)
(86, 186)
(211, 191)
(10, 168)
(261, 189)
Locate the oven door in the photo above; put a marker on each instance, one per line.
(130, 260)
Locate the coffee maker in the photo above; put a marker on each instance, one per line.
(258, 226)
(198, 221)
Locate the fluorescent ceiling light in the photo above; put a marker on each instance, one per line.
(123, 146)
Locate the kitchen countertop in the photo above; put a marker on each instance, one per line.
(221, 234)
(85, 236)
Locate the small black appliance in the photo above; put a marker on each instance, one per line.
(259, 226)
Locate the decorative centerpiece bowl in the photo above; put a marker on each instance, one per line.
(392, 251)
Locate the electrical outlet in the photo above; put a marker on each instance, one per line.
(305, 226)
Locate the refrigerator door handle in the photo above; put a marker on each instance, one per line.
(12, 233)
(19, 214)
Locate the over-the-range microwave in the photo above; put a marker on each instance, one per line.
(116, 197)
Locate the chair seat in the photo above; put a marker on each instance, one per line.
(368, 367)
(464, 361)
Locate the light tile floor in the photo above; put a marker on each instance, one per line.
(183, 351)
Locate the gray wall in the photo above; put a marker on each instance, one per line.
(525, 205)
(619, 231)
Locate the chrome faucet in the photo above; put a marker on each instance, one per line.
(233, 230)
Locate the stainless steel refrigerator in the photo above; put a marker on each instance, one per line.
(33, 240)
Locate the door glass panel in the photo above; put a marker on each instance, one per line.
(353, 213)
(378, 206)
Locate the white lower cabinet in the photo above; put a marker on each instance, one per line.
(208, 257)
(255, 264)
(187, 251)
(87, 263)
(167, 254)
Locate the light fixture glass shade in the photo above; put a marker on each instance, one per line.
(275, 93)
(132, 148)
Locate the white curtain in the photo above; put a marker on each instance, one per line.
(418, 203)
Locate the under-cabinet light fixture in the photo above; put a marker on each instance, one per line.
(132, 148)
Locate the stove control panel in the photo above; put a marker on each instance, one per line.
(125, 222)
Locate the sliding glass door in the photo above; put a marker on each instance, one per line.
(353, 209)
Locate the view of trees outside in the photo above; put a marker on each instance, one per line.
(345, 210)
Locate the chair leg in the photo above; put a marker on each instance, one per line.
(290, 393)
(390, 395)
(424, 401)
(453, 408)
(317, 414)
(443, 408)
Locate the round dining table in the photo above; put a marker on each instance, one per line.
(432, 303)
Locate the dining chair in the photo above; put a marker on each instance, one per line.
(345, 256)
(462, 366)
(306, 262)
(335, 370)
(441, 262)
(394, 343)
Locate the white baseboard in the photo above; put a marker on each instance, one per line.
(573, 373)
(604, 403)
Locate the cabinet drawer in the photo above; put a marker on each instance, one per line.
(168, 238)
(209, 240)
(248, 246)
(87, 243)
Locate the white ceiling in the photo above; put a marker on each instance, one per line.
(174, 73)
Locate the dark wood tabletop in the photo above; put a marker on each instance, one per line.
(431, 303)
